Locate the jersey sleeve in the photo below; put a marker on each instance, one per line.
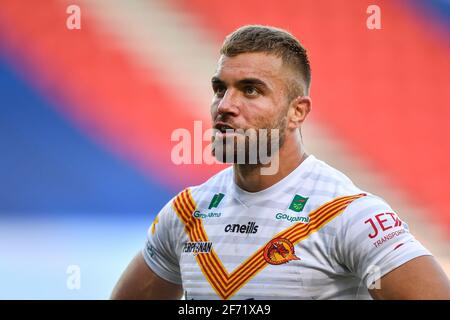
(160, 251)
(374, 240)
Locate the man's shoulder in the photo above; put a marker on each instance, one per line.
(368, 205)
(328, 184)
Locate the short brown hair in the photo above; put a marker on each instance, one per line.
(258, 38)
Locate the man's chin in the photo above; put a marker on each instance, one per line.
(226, 157)
(239, 157)
(240, 149)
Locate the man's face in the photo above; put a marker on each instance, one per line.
(250, 92)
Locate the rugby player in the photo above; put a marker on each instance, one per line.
(304, 231)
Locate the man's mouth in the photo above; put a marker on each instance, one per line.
(224, 128)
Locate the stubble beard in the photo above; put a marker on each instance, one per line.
(253, 147)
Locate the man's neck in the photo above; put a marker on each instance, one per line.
(249, 178)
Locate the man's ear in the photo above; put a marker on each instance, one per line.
(298, 111)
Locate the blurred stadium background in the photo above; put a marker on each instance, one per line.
(86, 118)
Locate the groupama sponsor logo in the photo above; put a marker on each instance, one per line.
(198, 215)
(287, 217)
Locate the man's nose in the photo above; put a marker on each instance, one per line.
(229, 104)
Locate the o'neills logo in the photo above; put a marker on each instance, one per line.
(250, 227)
(279, 251)
(197, 247)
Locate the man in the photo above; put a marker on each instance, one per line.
(304, 231)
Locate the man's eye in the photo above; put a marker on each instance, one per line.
(250, 91)
(219, 91)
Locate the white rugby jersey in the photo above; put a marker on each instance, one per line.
(312, 235)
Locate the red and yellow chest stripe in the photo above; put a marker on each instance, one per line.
(227, 284)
